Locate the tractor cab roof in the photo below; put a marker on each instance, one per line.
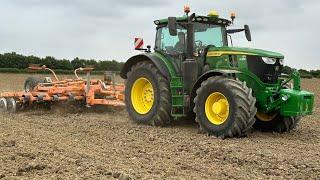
(210, 19)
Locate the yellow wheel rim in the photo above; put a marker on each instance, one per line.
(265, 117)
(217, 108)
(142, 96)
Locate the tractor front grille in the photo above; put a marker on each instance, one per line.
(268, 73)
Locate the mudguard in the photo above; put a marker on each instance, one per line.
(160, 63)
(208, 74)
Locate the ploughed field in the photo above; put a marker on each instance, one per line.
(91, 143)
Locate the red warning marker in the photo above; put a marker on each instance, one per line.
(138, 43)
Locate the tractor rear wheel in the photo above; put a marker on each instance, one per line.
(147, 95)
(275, 123)
(224, 107)
(31, 83)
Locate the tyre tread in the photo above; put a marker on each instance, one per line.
(245, 102)
(163, 116)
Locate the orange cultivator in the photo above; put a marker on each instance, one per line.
(91, 91)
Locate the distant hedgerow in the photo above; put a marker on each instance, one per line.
(13, 62)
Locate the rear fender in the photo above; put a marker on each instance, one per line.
(157, 61)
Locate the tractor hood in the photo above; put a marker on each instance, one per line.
(219, 51)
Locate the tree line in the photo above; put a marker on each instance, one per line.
(13, 62)
(17, 62)
(303, 73)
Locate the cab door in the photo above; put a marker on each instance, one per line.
(173, 47)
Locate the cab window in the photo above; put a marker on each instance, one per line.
(171, 44)
(209, 34)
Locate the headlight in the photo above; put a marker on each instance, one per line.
(281, 61)
(269, 60)
(284, 98)
(199, 19)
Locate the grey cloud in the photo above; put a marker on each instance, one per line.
(105, 29)
(113, 3)
(93, 8)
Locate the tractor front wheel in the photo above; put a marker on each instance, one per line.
(224, 107)
(147, 95)
(275, 122)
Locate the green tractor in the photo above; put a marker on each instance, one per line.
(195, 72)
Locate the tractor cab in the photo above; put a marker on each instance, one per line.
(191, 37)
(208, 33)
(206, 30)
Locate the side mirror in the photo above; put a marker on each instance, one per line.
(247, 32)
(172, 23)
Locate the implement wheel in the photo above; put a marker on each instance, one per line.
(31, 83)
(148, 98)
(275, 122)
(224, 107)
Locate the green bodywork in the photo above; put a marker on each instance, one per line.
(270, 97)
(257, 52)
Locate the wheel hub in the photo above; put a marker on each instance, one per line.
(148, 95)
(217, 108)
(142, 95)
(220, 107)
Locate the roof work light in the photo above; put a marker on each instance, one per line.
(213, 14)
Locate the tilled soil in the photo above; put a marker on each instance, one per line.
(93, 144)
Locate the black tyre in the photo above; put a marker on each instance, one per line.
(275, 123)
(147, 95)
(31, 83)
(224, 107)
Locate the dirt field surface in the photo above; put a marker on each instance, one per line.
(107, 145)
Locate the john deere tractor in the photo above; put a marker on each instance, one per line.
(195, 72)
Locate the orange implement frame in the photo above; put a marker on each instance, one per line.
(78, 89)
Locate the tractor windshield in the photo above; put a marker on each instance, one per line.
(209, 34)
(204, 35)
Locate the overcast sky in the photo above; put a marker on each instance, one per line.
(105, 29)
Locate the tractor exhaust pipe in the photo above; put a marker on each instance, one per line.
(190, 40)
(190, 66)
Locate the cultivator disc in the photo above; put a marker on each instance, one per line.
(3, 105)
(12, 105)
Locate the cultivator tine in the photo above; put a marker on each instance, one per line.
(26, 99)
(3, 105)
